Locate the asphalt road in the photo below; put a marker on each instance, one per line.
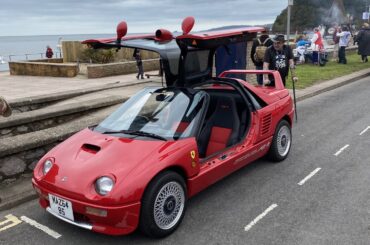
(319, 195)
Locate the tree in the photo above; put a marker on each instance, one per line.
(307, 14)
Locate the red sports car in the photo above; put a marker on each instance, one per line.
(139, 166)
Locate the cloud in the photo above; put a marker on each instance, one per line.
(24, 17)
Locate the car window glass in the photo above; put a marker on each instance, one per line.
(196, 61)
(169, 113)
(173, 59)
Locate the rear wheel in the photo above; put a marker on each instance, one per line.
(163, 205)
(281, 142)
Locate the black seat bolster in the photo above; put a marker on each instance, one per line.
(243, 123)
(203, 139)
(234, 137)
(224, 116)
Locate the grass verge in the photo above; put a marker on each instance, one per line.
(310, 74)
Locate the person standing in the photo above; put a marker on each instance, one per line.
(344, 38)
(279, 57)
(5, 109)
(258, 52)
(139, 64)
(302, 49)
(49, 52)
(336, 43)
(317, 45)
(363, 41)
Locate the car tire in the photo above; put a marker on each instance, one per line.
(163, 205)
(281, 142)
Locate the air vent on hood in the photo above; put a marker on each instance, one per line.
(90, 148)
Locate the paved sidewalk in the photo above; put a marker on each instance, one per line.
(18, 87)
(15, 87)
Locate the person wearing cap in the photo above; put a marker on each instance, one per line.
(363, 41)
(5, 109)
(302, 44)
(279, 57)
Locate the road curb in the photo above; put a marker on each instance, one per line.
(19, 199)
(332, 84)
(23, 191)
(14, 194)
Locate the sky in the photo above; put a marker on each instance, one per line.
(55, 17)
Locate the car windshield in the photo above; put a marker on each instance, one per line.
(157, 113)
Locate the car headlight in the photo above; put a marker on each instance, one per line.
(104, 185)
(48, 164)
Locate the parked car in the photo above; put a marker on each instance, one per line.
(139, 166)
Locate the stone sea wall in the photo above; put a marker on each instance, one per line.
(52, 68)
(21, 164)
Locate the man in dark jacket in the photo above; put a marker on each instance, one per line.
(139, 64)
(363, 41)
(279, 57)
(263, 40)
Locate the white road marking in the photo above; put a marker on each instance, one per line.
(364, 131)
(341, 150)
(309, 176)
(259, 217)
(45, 229)
(9, 219)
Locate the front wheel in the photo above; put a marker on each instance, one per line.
(281, 142)
(163, 205)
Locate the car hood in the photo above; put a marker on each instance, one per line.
(88, 155)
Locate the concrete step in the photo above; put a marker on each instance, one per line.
(64, 110)
(40, 101)
(20, 152)
(52, 116)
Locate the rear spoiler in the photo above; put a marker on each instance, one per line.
(277, 78)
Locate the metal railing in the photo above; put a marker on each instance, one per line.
(12, 57)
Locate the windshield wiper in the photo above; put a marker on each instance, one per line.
(136, 132)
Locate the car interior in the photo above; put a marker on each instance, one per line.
(225, 124)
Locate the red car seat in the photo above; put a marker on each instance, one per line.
(222, 128)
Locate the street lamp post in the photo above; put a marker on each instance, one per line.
(290, 4)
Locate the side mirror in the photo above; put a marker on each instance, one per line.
(121, 31)
(187, 24)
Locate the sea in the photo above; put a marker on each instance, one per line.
(15, 48)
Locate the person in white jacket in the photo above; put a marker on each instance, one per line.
(344, 38)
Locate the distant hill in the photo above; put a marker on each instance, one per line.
(307, 14)
(268, 26)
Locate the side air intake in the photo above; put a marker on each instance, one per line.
(266, 124)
